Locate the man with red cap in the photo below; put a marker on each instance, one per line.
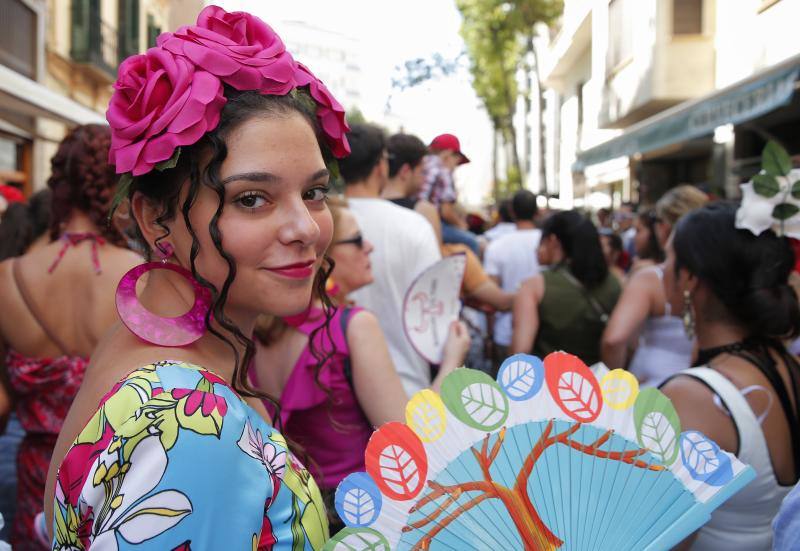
(445, 156)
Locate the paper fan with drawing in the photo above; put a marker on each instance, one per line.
(546, 457)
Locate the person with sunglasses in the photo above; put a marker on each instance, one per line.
(337, 381)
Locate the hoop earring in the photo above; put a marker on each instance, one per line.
(688, 315)
(151, 328)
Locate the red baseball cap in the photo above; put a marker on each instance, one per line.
(444, 142)
(11, 194)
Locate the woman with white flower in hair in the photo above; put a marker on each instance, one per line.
(731, 288)
(225, 147)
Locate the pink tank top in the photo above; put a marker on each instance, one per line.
(331, 427)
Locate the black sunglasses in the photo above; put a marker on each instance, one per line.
(358, 241)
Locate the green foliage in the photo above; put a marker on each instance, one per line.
(355, 116)
(498, 35)
(775, 160)
(766, 185)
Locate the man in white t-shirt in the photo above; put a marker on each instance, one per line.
(404, 242)
(511, 259)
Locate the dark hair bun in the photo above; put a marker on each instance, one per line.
(749, 274)
(82, 179)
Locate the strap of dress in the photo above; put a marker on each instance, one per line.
(752, 443)
(33, 309)
(72, 239)
(658, 269)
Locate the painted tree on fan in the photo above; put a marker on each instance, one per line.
(532, 530)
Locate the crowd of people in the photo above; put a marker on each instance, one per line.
(236, 309)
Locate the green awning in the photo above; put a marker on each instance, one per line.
(686, 121)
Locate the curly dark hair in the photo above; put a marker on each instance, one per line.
(83, 179)
(163, 188)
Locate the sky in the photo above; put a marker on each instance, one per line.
(388, 33)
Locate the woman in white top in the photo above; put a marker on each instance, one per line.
(732, 289)
(643, 311)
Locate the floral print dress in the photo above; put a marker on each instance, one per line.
(174, 459)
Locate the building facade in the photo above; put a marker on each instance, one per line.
(58, 60)
(643, 95)
(333, 57)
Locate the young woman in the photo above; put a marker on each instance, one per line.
(337, 382)
(643, 310)
(59, 301)
(732, 289)
(565, 307)
(224, 140)
(613, 252)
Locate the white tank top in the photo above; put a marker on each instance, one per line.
(664, 349)
(744, 522)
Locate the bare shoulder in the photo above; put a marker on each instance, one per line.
(362, 325)
(533, 286)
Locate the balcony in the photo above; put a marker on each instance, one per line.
(651, 67)
(94, 42)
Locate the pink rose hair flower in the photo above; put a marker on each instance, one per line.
(173, 94)
(161, 102)
(239, 48)
(330, 112)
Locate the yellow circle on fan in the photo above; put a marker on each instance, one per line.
(620, 389)
(425, 414)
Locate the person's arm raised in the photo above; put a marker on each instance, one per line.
(455, 352)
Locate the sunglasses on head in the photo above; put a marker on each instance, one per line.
(358, 241)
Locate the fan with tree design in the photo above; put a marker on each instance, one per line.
(546, 457)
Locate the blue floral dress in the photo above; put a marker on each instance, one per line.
(174, 459)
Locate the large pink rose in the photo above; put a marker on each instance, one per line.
(161, 102)
(330, 112)
(239, 48)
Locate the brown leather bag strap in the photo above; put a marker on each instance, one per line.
(33, 309)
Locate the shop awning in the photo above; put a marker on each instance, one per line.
(28, 97)
(735, 104)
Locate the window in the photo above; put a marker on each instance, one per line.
(153, 31)
(620, 34)
(128, 26)
(687, 17)
(18, 37)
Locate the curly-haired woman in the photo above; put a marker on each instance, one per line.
(58, 301)
(226, 147)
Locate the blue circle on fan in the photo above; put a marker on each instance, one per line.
(358, 500)
(704, 460)
(521, 376)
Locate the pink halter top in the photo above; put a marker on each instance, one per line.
(331, 428)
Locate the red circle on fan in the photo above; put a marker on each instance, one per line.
(573, 386)
(395, 459)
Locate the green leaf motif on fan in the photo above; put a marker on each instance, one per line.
(657, 424)
(362, 539)
(475, 399)
(775, 160)
(399, 470)
(766, 185)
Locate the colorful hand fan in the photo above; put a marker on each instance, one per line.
(431, 304)
(546, 457)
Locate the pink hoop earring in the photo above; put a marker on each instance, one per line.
(162, 331)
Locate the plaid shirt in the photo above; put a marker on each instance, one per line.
(438, 187)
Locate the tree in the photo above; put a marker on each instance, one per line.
(535, 535)
(500, 35)
(526, 16)
(493, 52)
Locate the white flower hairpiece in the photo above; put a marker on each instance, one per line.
(771, 200)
